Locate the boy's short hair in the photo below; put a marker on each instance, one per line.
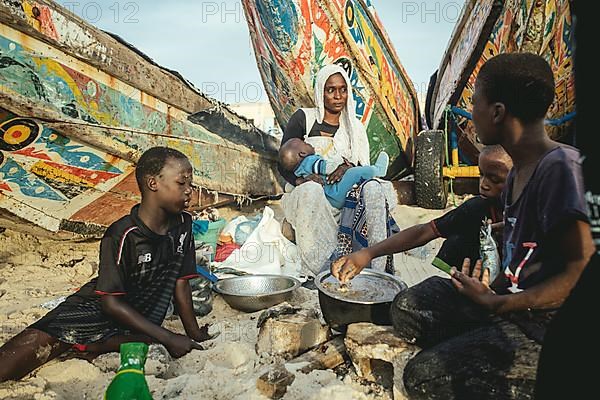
(523, 82)
(153, 161)
(497, 152)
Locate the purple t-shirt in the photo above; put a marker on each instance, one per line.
(553, 198)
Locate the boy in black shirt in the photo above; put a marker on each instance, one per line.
(460, 226)
(146, 258)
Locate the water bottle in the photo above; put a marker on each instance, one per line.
(130, 383)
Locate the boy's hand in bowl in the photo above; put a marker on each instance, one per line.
(347, 267)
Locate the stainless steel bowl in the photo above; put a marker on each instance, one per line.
(256, 292)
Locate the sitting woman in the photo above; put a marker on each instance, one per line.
(334, 131)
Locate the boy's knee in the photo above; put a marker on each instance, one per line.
(411, 299)
(423, 377)
(409, 311)
(402, 312)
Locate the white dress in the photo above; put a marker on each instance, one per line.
(316, 222)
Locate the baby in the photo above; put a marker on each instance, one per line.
(299, 157)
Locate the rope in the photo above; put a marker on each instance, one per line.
(551, 122)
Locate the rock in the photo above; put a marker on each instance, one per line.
(66, 372)
(275, 381)
(157, 361)
(32, 388)
(378, 354)
(287, 332)
(108, 362)
(273, 312)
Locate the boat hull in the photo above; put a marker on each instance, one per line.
(293, 39)
(73, 122)
(488, 28)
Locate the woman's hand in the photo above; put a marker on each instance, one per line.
(475, 286)
(346, 268)
(339, 172)
(313, 177)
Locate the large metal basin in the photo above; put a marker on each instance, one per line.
(252, 293)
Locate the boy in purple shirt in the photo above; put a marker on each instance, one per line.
(481, 339)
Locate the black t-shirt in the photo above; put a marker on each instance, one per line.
(296, 128)
(461, 228)
(143, 266)
(468, 217)
(136, 264)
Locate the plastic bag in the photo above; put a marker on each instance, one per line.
(245, 229)
(266, 251)
(489, 251)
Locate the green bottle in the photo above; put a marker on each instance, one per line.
(130, 382)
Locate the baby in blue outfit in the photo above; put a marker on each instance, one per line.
(299, 157)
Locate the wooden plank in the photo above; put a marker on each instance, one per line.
(220, 166)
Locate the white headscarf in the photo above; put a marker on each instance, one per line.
(351, 133)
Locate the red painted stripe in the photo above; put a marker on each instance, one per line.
(33, 153)
(187, 277)
(92, 176)
(101, 293)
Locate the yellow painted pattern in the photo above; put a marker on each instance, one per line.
(455, 158)
(16, 134)
(44, 170)
(58, 70)
(461, 172)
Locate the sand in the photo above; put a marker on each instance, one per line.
(34, 271)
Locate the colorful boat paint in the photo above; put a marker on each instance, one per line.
(488, 28)
(293, 39)
(74, 117)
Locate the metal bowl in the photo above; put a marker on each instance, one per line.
(256, 292)
(369, 299)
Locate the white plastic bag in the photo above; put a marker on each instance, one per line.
(231, 226)
(266, 251)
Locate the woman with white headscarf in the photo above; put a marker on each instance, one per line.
(333, 130)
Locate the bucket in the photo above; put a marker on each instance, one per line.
(212, 234)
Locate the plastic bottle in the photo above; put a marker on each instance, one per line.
(489, 250)
(130, 383)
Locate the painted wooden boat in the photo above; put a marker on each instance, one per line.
(293, 39)
(490, 27)
(78, 106)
